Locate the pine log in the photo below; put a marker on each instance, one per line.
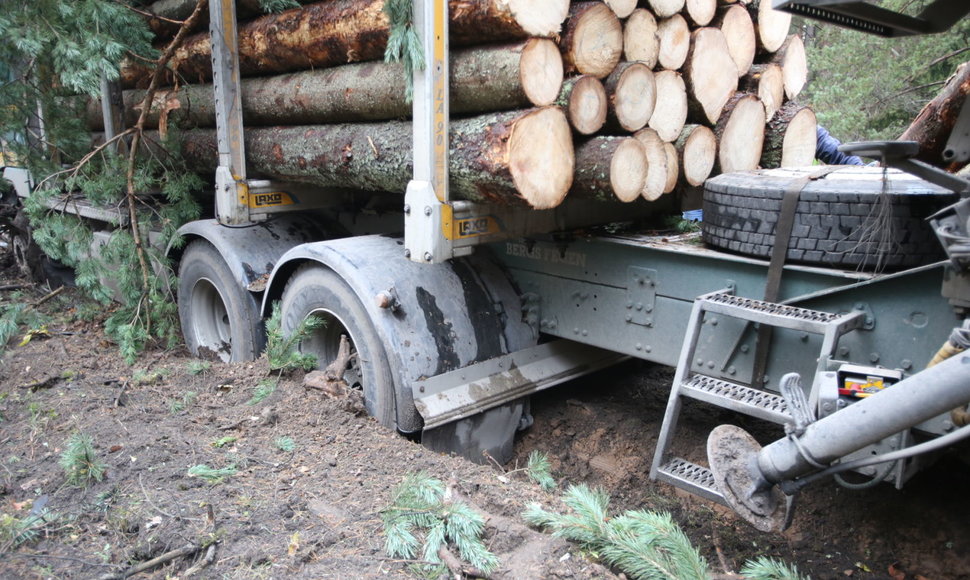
(513, 158)
(790, 138)
(772, 25)
(697, 147)
(336, 32)
(767, 81)
(585, 101)
(673, 167)
(700, 12)
(666, 8)
(632, 94)
(709, 73)
(656, 181)
(794, 65)
(640, 39)
(622, 8)
(483, 79)
(592, 40)
(740, 134)
(670, 112)
(735, 22)
(674, 35)
(610, 168)
(163, 12)
(932, 127)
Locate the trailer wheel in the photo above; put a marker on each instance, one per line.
(842, 220)
(315, 290)
(219, 317)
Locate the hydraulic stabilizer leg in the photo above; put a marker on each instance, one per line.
(750, 477)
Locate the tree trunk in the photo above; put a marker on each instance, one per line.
(670, 112)
(794, 65)
(592, 40)
(790, 138)
(735, 22)
(515, 158)
(585, 101)
(700, 12)
(673, 167)
(674, 35)
(486, 79)
(932, 127)
(334, 32)
(622, 8)
(632, 95)
(166, 10)
(610, 168)
(666, 8)
(656, 181)
(767, 81)
(772, 25)
(740, 134)
(640, 40)
(709, 73)
(697, 147)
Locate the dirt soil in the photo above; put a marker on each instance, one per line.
(315, 511)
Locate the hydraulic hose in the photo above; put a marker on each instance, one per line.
(958, 342)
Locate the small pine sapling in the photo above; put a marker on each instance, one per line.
(211, 474)
(539, 470)
(80, 461)
(767, 569)
(282, 351)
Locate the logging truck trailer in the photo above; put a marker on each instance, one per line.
(476, 307)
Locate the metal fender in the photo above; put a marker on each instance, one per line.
(252, 251)
(431, 318)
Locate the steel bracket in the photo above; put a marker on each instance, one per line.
(641, 295)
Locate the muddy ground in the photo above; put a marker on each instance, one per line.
(314, 511)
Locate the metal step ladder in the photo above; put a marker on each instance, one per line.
(733, 396)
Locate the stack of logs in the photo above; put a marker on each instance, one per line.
(613, 99)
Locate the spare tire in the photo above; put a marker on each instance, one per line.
(855, 217)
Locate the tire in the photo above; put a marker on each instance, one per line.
(842, 220)
(315, 290)
(220, 319)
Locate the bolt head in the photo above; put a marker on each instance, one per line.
(428, 257)
(427, 210)
(407, 209)
(407, 253)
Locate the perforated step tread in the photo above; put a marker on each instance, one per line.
(694, 478)
(739, 398)
(780, 315)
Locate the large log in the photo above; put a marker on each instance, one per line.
(700, 12)
(514, 158)
(709, 73)
(697, 147)
(794, 65)
(640, 40)
(334, 32)
(674, 35)
(772, 25)
(670, 112)
(790, 138)
(483, 79)
(622, 8)
(164, 16)
(932, 127)
(656, 181)
(740, 134)
(610, 168)
(592, 40)
(673, 167)
(585, 101)
(735, 22)
(768, 82)
(632, 95)
(666, 8)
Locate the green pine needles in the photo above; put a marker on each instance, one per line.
(80, 461)
(768, 569)
(403, 43)
(281, 351)
(539, 470)
(420, 521)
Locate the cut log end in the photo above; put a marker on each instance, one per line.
(640, 40)
(772, 26)
(673, 167)
(674, 35)
(670, 112)
(768, 82)
(698, 148)
(628, 170)
(587, 104)
(711, 74)
(541, 71)
(666, 8)
(800, 141)
(700, 12)
(735, 22)
(593, 42)
(541, 157)
(540, 18)
(656, 154)
(634, 95)
(741, 133)
(794, 66)
(622, 8)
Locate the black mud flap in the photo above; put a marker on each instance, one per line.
(483, 435)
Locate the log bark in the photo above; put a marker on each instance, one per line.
(622, 8)
(610, 168)
(766, 81)
(334, 32)
(632, 94)
(485, 79)
(740, 134)
(735, 22)
(794, 65)
(673, 167)
(674, 35)
(709, 73)
(640, 39)
(772, 25)
(666, 8)
(670, 112)
(592, 40)
(700, 12)
(162, 12)
(656, 181)
(697, 147)
(585, 101)
(514, 158)
(932, 127)
(790, 138)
